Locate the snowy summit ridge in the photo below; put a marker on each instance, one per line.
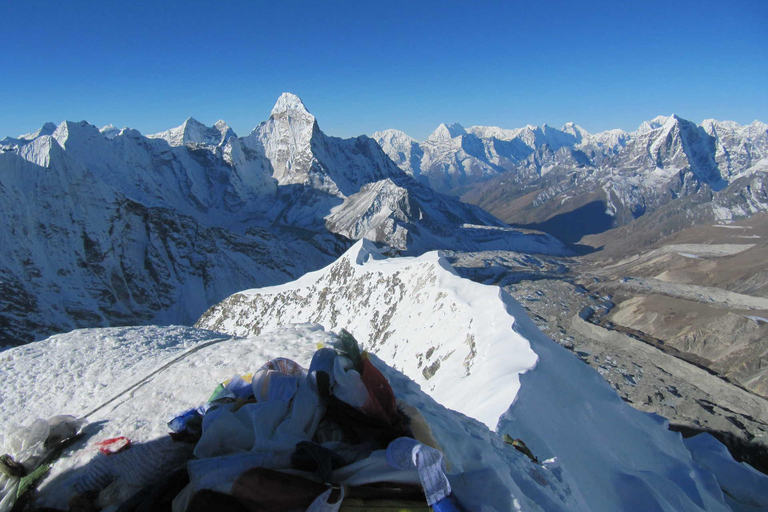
(473, 348)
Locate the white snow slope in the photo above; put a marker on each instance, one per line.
(606, 455)
(474, 349)
(155, 372)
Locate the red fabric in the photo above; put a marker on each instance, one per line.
(381, 403)
(114, 445)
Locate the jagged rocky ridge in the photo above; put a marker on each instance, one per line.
(110, 227)
(571, 183)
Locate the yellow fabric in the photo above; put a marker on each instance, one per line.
(248, 377)
(421, 429)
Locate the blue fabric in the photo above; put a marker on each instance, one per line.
(448, 504)
(189, 421)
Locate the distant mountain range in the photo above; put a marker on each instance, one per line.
(109, 227)
(571, 183)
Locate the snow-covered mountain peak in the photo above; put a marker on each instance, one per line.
(69, 132)
(222, 126)
(654, 124)
(285, 139)
(674, 122)
(46, 129)
(456, 129)
(194, 132)
(192, 123)
(674, 118)
(225, 131)
(131, 133)
(380, 211)
(290, 124)
(488, 132)
(110, 131)
(576, 131)
(289, 102)
(757, 127)
(445, 132)
(403, 149)
(362, 281)
(710, 125)
(392, 136)
(39, 151)
(609, 139)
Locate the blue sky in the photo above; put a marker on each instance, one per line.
(364, 66)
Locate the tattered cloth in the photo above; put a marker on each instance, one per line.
(288, 438)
